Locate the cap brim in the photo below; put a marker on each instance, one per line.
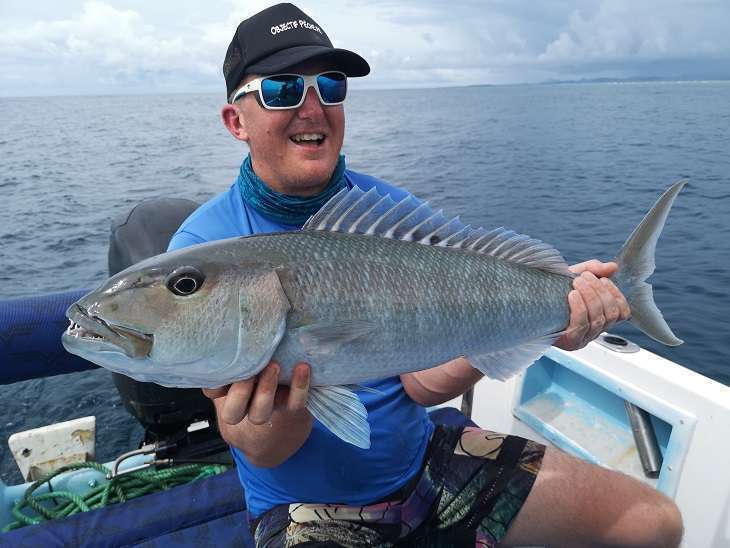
(337, 59)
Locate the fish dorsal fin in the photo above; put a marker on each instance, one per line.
(354, 211)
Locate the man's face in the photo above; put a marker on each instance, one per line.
(297, 168)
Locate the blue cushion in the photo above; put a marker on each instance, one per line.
(209, 512)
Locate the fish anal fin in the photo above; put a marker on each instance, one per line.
(503, 364)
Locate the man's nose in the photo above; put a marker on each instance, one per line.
(311, 107)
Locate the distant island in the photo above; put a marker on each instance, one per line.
(635, 79)
(610, 80)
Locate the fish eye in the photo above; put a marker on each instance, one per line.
(184, 281)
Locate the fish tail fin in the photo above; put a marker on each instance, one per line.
(636, 264)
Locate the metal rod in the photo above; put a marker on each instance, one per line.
(144, 450)
(466, 402)
(645, 438)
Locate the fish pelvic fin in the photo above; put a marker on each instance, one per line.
(636, 264)
(341, 412)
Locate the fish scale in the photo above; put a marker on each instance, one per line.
(427, 304)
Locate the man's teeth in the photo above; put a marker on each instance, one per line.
(304, 137)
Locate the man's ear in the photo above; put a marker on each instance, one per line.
(235, 122)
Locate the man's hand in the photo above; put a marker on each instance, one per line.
(595, 304)
(265, 420)
(257, 398)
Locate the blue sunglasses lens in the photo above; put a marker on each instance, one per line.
(282, 91)
(332, 87)
(286, 90)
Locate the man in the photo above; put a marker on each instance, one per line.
(286, 84)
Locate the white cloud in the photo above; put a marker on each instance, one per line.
(137, 46)
(647, 30)
(101, 39)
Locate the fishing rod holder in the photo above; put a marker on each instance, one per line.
(148, 449)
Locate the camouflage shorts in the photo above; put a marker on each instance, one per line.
(472, 485)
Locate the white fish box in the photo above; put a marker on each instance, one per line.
(43, 450)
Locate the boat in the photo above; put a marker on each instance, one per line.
(612, 403)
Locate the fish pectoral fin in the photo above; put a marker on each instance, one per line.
(325, 338)
(342, 413)
(503, 364)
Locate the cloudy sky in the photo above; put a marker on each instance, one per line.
(139, 46)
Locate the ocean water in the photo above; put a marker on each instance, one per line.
(575, 165)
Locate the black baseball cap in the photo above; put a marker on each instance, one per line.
(280, 37)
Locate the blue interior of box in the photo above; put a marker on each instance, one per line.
(577, 409)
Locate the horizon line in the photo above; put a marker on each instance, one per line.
(406, 87)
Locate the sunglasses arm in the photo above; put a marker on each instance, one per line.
(253, 85)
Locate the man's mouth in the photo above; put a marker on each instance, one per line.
(93, 330)
(308, 139)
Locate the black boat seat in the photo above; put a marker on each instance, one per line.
(143, 232)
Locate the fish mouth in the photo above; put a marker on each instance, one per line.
(88, 330)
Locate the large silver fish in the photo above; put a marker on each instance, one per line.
(369, 288)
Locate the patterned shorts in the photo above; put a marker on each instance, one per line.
(472, 485)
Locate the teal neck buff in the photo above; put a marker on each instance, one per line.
(283, 208)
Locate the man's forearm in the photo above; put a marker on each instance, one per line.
(440, 384)
(269, 444)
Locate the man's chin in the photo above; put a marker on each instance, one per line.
(315, 167)
(310, 180)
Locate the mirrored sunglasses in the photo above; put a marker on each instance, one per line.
(284, 91)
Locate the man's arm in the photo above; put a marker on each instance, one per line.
(267, 422)
(595, 305)
(440, 384)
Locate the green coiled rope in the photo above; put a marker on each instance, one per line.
(118, 489)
